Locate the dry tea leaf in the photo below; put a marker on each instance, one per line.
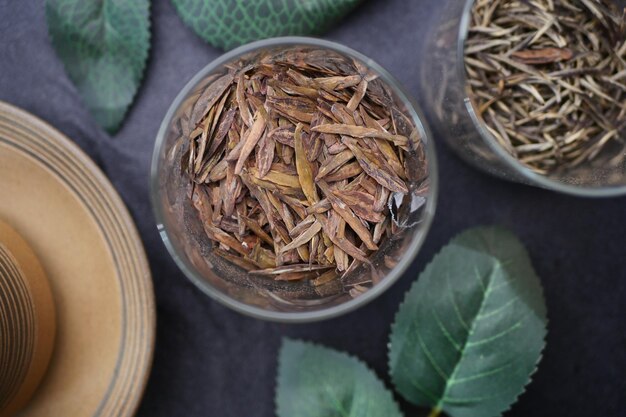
(360, 132)
(209, 97)
(250, 141)
(304, 168)
(543, 56)
(377, 171)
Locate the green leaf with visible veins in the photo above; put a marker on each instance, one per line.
(315, 381)
(229, 23)
(104, 47)
(470, 332)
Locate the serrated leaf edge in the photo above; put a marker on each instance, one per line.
(404, 301)
(345, 354)
(139, 81)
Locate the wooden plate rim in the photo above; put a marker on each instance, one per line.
(49, 147)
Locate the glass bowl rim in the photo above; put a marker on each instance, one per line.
(324, 313)
(522, 170)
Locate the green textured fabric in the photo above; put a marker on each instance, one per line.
(471, 329)
(314, 381)
(230, 23)
(104, 46)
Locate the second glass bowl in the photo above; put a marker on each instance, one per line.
(443, 82)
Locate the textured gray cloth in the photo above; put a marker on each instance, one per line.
(211, 361)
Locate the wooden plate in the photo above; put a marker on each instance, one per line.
(64, 207)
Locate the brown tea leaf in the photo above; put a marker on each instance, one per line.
(294, 89)
(379, 230)
(283, 135)
(303, 166)
(543, 55)
(378, 173)
(312, 141)
(360, 132)
(345, 172)
(203, 140)
(277, 178)
(221, 236)
(325, 278)
(218, 172)
(342, 243)
(362, 203)
(209, 97)
(262, 257)
(320, 207)
(302, 226)
(358, 95)
(257, 230)
(334, 163)
(348, 215)
(250, 141)
(202, 203)
(338, 82)
(336, 146)
(290, 268)
(244, 110)
(297, 205)
(265, 155)
(237, 260)
(380, 199)
(298, 109)
(208, 167)
(222, 130)
(232, 188)
(304, 237)
(261, 197)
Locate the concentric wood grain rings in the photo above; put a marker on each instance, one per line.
(27, 321)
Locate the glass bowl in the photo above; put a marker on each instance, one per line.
(443, 83)
(182, 232)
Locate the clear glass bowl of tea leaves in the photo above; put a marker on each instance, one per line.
(293, 179)
(534, 92)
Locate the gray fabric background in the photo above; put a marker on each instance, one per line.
(210, 361)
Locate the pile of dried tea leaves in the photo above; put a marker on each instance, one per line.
(296, 158)
(548, 77)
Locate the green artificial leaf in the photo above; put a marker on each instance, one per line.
(104, 47)
(315, 381)
(470, 332)
(229, 23)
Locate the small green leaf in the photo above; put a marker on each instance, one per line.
(315, 381)
(471, 330)
(104, 47)
(229, 23)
